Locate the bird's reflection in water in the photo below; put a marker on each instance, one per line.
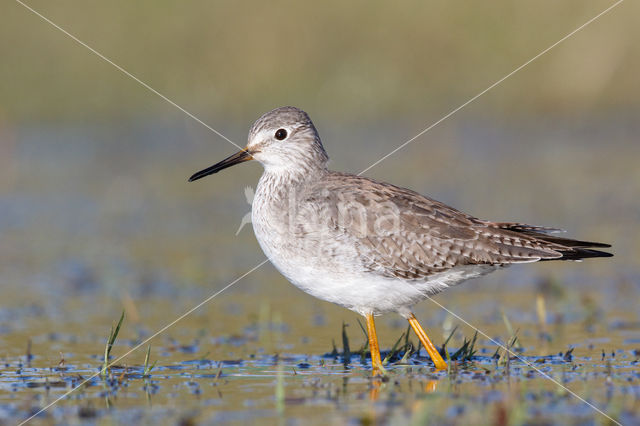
(377, 383)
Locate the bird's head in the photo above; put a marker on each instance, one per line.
(283, 140)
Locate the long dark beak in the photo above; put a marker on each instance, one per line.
(238, 157)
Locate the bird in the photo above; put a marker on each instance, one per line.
(369, 246)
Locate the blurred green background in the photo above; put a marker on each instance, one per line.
(94, 202)
(350, 61)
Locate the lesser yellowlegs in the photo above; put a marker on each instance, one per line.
(369, 246)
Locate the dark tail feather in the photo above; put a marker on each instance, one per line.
(570, 249)
(581, 253)
(567, 242)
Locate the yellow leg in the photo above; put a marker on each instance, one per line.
(422, 335)
(376, 363)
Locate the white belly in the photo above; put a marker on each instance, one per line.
(329, 270)
(311, 253)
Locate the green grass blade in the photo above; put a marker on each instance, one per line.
(113, 335)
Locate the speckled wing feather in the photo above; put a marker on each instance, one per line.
(400, 233)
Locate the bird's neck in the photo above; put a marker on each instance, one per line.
(294, 173)
(284, 184)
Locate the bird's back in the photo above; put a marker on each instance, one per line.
(400, 233)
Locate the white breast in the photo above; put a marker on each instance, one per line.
(329, 269)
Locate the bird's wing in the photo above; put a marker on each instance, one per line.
(400, 233)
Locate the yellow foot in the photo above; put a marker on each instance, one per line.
(431, 349)
(378, 370)
(376, 362)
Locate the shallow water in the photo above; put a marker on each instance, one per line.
(227, 363)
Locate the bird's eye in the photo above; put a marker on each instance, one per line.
(281, 134)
